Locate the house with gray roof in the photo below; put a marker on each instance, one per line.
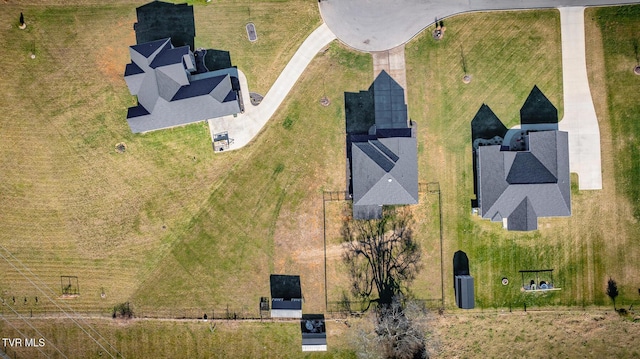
(521, 174)
(170, 90)
(384, 161)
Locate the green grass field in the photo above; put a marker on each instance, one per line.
(596, 242)
(71, 204)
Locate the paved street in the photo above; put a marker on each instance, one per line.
(379, 25)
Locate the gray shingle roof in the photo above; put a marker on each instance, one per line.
(523, 185)
(523, 217)
(384, 163)
(527, 169)
(160, 76)
(377, 180)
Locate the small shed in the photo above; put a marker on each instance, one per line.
(464, 292)
(286, 296)
(463, 281)
(314, 333)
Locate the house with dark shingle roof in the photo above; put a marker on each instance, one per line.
(521, 174)
(384, 161)
(170, 91)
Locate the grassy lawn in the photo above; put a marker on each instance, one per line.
(426, 286)
(591, 334)
(169, 225)
(523, 50)
(71, 204)
(187, 339)
(266, 215)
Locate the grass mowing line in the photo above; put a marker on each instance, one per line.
(109, 218)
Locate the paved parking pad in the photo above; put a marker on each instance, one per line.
(579, 113)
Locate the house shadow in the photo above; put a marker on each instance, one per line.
(537, 109)
(486, 125)
(160, 20)
(217, 59)
(359, 111)
(359, 117)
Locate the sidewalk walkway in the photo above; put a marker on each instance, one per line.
(392, 62)
(579, 113)
(243, 128)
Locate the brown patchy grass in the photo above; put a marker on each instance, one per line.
(188, 339)
(426, 285)
(590, 334)
(71, 204)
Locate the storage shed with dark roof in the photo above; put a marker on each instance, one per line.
(286, 296)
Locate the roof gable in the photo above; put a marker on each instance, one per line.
(149, 48)
(527, 169)
(170, 57)
(199, 88)
(378, 157)
(523, 217)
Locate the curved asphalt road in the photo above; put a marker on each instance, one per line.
(379, 25)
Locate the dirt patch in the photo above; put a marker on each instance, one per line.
(110, 63)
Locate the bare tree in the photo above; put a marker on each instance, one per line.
(399, 335)
(381, 254)
(396, 331)
(612, 291)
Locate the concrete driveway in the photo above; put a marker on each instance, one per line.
(379, 25)
(242, 128)
(579, 113)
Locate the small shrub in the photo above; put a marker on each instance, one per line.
(122, 310)
(288, 122)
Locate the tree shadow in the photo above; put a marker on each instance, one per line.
(538, 109)
(381, 255)
(159, 20)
